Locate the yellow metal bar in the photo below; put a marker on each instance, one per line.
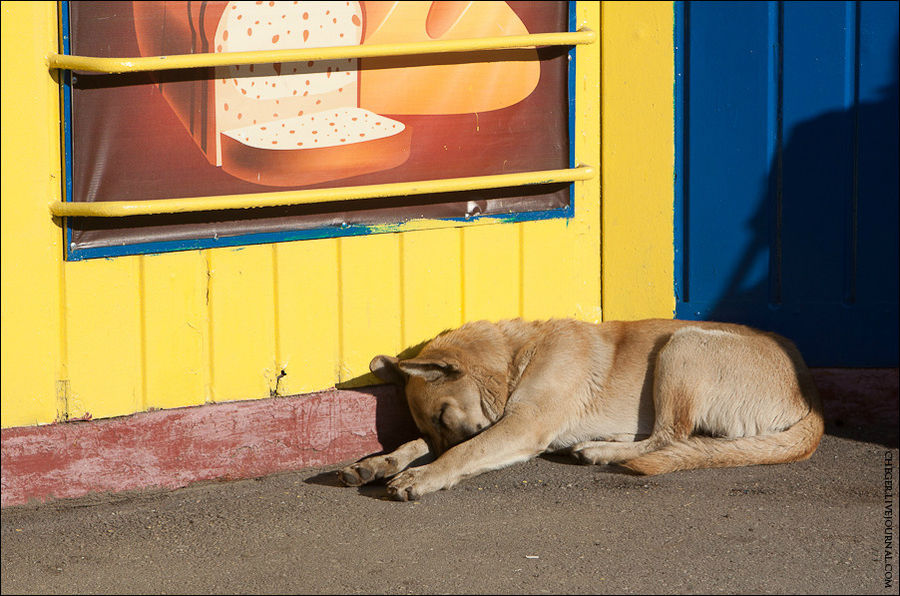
(153, 63)
(300, 197)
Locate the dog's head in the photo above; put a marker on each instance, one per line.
(453, 392)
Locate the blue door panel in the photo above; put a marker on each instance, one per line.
(877, 260)
(817, 151)
(730, 186)
(786, 172)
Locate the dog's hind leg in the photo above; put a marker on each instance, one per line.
(610, 452)
(675, 404)
(752, 397)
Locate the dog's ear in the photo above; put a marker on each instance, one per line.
(386, 369)
(429, 369)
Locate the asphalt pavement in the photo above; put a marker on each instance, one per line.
(546, 526)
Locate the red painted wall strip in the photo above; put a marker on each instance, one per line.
(172, 448)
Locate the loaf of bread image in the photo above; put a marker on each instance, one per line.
(391, 86)
(240, 115)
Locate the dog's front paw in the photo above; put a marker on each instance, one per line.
(367, 470)
(356, 474)
(410, 485)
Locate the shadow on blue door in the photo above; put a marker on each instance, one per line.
(786, 158)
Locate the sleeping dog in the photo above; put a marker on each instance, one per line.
(653, 396)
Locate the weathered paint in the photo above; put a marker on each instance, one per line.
(172, 448)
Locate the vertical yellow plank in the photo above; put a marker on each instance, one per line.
(560, 259)
(175, 329)
(491, 272)
(553, 261)
(432, 284)
(104, 337)
(241, 323)
(31, 241)
(371, 318)
(307, 326)
(638, 159)
(585, 228)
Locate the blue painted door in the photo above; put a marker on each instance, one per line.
(786, 172)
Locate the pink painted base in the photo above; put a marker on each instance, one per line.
(173, 448)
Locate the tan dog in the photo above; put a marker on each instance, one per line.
(654, 396)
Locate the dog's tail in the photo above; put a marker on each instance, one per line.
(792, 444)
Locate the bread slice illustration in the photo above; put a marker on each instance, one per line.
(315, 148)
(445, 83)
(236, 115)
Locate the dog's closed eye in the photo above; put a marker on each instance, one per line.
(439, 419)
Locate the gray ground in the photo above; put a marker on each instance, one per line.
(545, 526)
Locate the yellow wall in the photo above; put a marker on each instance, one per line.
(638, 159)
(109, 337)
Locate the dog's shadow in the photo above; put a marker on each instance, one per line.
(560, 458)
(565, 458)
